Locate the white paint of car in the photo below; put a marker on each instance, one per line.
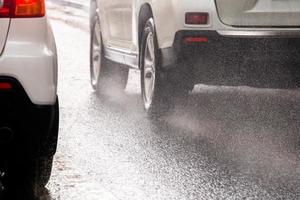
(169, 17)
(4, 24)
(30, 57)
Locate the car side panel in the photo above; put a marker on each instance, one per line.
(127, 13)
(4, 25)
(114, 16)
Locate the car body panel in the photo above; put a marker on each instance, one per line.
(4, 25)
(30, 57)
(114, 16)
(259, 12)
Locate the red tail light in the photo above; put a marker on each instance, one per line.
(5, 8)
(22, 8)
(5, 86)
(29, 8)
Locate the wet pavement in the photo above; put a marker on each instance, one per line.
(220, 143)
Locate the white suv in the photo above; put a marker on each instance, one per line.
(28, 99)
(166, 38)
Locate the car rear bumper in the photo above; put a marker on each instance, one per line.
(34, 127)
(292, 33)
(216, 57)
(217, 44)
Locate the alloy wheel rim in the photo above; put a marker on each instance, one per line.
(149, 71)
(96, 53)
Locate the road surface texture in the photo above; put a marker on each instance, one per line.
(220, 143)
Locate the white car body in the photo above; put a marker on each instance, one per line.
(29, 120)
(230, 18)
(29, 56)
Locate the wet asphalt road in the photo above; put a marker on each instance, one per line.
(220, 143)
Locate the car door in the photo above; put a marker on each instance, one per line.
(114, 16)
(128, 22)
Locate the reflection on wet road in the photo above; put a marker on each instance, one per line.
(220, 143)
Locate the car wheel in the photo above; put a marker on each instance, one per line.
(106, 76)
(39, 172)
(27, 177)
(156, 85)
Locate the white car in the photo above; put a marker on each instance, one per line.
(165, 38)
(28, 94)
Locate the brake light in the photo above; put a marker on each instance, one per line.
(5, 8)
(22, 8)
(196, 18)
(30, 8)
(5, 86)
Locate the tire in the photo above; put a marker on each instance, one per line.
(106, 76)
(159, 87)
(27, 178)
(49, 145)
(27, 175)
(39, 172)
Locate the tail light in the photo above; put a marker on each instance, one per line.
(22, 8)
(5, 86)
(5, 8)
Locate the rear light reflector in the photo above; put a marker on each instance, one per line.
(196, 18)
(30, 8)
(22, 8)
(5, 86)
(195, 40)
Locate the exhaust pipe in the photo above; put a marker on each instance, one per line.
(6, 134)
